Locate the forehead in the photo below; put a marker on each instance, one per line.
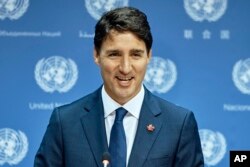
(122, 39)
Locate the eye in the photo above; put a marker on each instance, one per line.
(136, 55)
(114, 54)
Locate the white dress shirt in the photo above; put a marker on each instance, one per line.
(130, 121)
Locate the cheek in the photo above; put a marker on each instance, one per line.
(141, 68)
(108, 69)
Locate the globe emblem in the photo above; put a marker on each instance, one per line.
(56, 74)
(241, 75)
(13, 9)
(161, 75)
(97, 7)
(213, 146)
(210, 10)
(13, 146)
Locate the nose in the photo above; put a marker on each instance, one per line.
(125, 65)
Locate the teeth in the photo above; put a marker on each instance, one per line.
(124, 79)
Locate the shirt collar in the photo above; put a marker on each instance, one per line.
(133, 106)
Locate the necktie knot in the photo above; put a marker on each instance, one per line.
(120, 114)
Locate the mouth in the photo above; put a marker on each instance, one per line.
(124, 81)
(124, 78)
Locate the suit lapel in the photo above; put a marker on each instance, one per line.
(94, 127)
(144, 139)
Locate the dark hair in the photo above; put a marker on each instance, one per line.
(121, 20)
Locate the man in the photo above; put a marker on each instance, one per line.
(150, 132)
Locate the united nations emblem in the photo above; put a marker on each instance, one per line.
(97, 7)
(213, 146)
(56, 74)
(13, 146)
(13, 9)
(161, 75)
(210, 10)
(241, 75)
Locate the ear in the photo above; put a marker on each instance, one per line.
(96, 57)
(149, 55)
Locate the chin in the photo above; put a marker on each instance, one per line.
(126, 94)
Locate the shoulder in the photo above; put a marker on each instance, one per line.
(81, 106)
(162, 103)
(173, 116)
(168, 110)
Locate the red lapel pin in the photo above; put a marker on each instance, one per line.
(150, 128)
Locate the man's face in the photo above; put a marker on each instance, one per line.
(123, 60)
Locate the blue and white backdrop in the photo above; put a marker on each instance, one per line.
(201, 61)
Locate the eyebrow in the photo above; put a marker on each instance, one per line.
(112, 51)
(131, 51)
(137, 51)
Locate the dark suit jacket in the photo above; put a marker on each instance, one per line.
(76, 136)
